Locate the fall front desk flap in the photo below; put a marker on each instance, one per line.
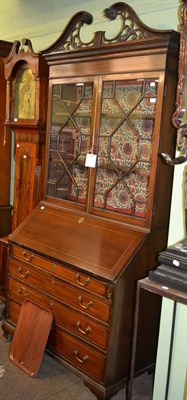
(75, 238)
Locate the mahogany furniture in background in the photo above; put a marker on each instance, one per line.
(3, 270)
(26, 73)
(5, 149)
(105, 213)
(5, 158)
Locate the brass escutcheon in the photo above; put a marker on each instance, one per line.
(52, 282)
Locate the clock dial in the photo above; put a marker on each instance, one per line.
(25, 95)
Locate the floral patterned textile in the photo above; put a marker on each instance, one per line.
(125, 146)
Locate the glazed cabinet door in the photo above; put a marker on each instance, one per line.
(70, 140)
(103, 143)
(128, 134)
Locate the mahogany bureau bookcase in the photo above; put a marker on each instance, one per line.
(105, 213)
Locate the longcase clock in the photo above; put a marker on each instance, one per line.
(5, 143)
(5, 150)
(26, 73)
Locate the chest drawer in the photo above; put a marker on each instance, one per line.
(81, 356)
(76, 323)
(59, 290)
(77, 278)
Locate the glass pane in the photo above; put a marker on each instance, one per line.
(125, 146)
(70, 135)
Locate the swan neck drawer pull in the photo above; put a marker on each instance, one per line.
(23, 274)
(78, 278)
(86, 331)
(81, 360)
(89, 304)
(22, 290)
(27, 257)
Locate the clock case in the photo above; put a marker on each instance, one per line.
(5, 150)
(26, 74)
(5, 162)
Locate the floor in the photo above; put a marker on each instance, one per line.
(54, 382)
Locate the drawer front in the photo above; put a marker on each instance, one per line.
(60, 290)
(73, 351)
(79, 279)
(68, 319)
(76, 353)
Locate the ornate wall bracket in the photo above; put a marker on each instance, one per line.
(179, 117)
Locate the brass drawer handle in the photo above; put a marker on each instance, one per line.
(22, 289)
(90, 303)
(23, 274)
(29, 258)
(82, 283)
(86, 331)
(82, 361)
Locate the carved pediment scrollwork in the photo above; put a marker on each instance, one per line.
(70, 38)
(131, 29)
(74, 41)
